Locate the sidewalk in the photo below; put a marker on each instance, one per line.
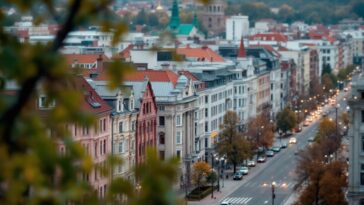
(227, 186)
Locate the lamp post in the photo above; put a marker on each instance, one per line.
(218, 173)
(273, 192)
(212, 181)
(223, 161)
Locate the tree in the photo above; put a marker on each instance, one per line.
(200, 171)
(232, 143)
(286, 120)
(326, 69)
(260, 132)
(327, 83)
(318, 170)
(345, 118)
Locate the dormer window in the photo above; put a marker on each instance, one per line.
(119, 105)
(44, 103)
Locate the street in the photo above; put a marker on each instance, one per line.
(256, 188)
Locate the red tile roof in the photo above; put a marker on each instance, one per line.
(153, 76)
(201, 54)
(91, 101)
(269, 37)
(189, 75)
(126, 52)
(84, 58)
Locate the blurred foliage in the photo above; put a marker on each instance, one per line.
(32, 169)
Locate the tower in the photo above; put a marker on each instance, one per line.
(213, 17)
(174, 22)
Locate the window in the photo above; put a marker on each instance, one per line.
(161, 108)
(161, 155)
(362, 143)
(44, 103)
(179, 137)
(206, 126)
(131, 104)
(206, 99)
(362, 116)
(104, 125)
(84, 130)
(120, 105)
(161, 120)
(104, 147)
(362, 175)
(161, 138)
(206, 112)
(133, 125)
(179, 120)
(121, 147)
(120, 127)
(178, 154)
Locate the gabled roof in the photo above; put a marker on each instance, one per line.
(189, 75)
(83, 58)
(201, 54)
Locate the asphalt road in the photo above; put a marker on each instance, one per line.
(256, 188)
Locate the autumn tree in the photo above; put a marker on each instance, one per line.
(260, 131)
(318, 171)
(32, 170)
(200, 171)
(327, 135)
(344, 117)
(232, 143)
(286, 120)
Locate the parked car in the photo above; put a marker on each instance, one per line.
(238, 176)
(306, 123)
(292, 140)
(269, 153)
(298, 129)
(284, 145)
(251, 163)
(261, 159)
(244, 170)
(311, 139)
(276, 148)
(225, 203)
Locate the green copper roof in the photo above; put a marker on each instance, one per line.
(185, 29)
(174, 22)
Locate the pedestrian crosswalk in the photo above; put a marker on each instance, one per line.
(238, 200)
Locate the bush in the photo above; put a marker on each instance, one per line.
(199, 193)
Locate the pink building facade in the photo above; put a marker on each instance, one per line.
(146, 124)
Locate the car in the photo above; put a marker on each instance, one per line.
(346, 89)
(311, 139)
(238, 176)
(284, 145)
(261, 159)
(244, 170)
(276, 148)
(251, 163)
(225, 203)
(306, 123)
(298, 129)
(269, 153)
(292, 140)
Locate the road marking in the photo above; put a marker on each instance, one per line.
(238, 200)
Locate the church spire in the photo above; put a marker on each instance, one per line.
(242, 53)
(174, 22)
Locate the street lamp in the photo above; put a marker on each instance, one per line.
(218, 173)
(212, 180)
(273, 192)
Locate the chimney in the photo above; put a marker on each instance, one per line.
(99, 64)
